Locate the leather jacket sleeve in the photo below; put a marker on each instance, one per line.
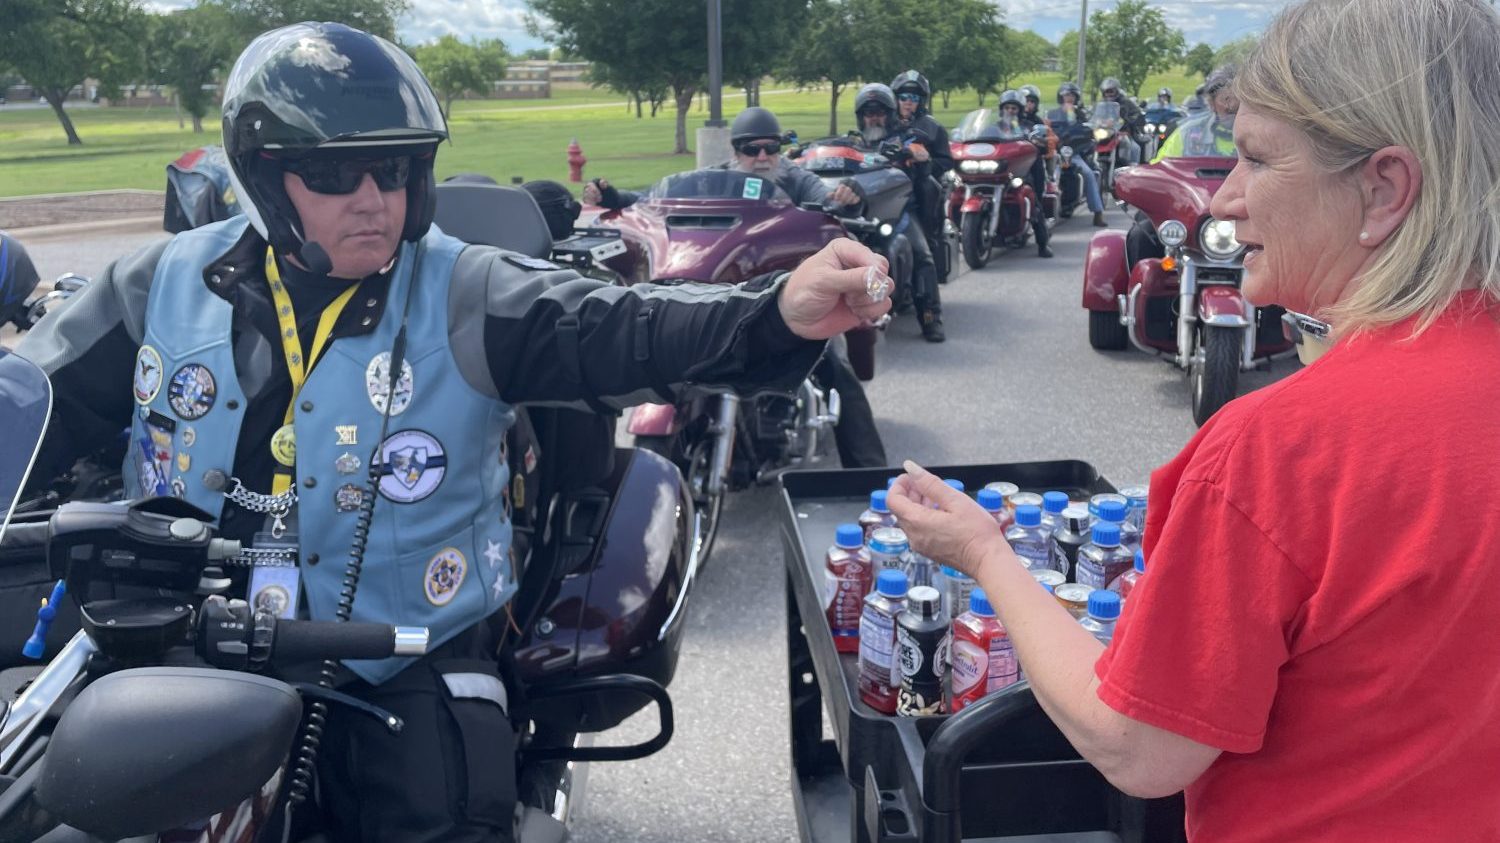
(87, 347)
(800, 184)
(551, 337)
(938, 148)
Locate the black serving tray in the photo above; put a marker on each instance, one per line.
(999, 770)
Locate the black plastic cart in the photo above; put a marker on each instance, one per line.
(998, 771)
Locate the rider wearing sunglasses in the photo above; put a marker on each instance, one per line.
(931, 158)
(330, 364)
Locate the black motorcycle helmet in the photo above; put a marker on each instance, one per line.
(1070, 88)
(754, 123)
(558, 206)
(326, 88)
(1033, 94)
(1013, 97)
(913, 81)
(874, 95)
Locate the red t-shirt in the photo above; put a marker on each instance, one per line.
(1321, 601)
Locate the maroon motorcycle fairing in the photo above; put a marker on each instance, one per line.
(1105, 271)
(1174, 189)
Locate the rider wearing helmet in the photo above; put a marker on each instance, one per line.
(878, 119)
(1013, 107)
(1210, 133)
(1196, 104)
(1164, 98)
(1071, 110)
(1132, 120)
(430, 343)
(757, 139)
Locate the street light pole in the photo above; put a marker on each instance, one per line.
(1083, 34)
(715, 65)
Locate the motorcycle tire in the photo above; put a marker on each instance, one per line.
(692, 458)
(1105, 331)
(1215, 375)
(976, 242)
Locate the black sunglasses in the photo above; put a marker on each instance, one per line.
(753, 150)
(907, 97)
(339, 176)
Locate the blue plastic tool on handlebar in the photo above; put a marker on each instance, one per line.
(36, 645)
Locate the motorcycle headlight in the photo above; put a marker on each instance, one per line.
(1150, 127)
(1100, 134)
(886, 230)
(1016, 183)
(1172, 233)
(1217, 238)
(989, 166)
(969, 166)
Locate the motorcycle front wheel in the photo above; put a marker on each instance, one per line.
(694, 458)
(976, 241)
(1214, 373)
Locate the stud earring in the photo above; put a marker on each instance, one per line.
(1364, 235)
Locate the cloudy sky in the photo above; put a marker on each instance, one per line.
(1214, 21)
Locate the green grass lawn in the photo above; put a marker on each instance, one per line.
(130, 148)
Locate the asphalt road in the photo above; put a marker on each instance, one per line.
(1016, 381)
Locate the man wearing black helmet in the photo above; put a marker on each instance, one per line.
(269, 357)
(1013, 107)
(900, 110)
(1132, 120)
(756, 137)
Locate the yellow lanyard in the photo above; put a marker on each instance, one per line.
(283, 442)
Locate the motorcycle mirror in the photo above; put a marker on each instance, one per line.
(26, 406)
(149, 749)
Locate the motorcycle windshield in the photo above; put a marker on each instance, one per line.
(1163, 115)
(1207, 136)
(988, 125)
(26, 405)
(1106, 115)
(717, 184)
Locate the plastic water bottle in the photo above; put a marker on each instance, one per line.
(993, 502)
(877, 516)
(1103, 559)
(1053, 504)
(1131, 578)
(956, 588)
(1135, 515)
(1027, 538)
(1104, 610)
(847, 572)
(1072, 533)
(1100, 500)
(1005, 490)
(956, 485)
(981, 657)
(1115, 512)
(879, 672)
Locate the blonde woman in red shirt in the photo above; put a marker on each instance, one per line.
(1314, 652)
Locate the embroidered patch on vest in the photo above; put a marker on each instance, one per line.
(154, 466)
(147, 374)
(445, 573)
(412, 464)
(192, 391)
(378, 384)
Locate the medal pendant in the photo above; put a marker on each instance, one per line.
(284, 445)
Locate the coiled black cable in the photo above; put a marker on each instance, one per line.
(306, 763)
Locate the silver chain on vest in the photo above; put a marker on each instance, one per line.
(276, 506)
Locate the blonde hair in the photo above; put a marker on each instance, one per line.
(1359, 75)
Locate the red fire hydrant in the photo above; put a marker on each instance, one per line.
(575, 161)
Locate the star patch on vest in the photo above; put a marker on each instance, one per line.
(445, 573)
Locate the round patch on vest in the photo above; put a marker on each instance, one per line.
(412, 464)
(378, 384)
(192, 391)
(445, 573)
(147, 374)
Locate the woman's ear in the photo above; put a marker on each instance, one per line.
(1390, 182)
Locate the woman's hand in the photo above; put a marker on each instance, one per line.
(829, 293)
(944, 525)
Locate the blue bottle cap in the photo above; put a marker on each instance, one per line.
(980, 604)
(1054, 501)
(1029, 515)
(991, 500)
(849, 536)
(1106, 534)
(877, 501)
(947, 571)
(892, 481)
(1140, 562)
(1112, 511)
(1104, 604)
(958, 485)
(891, 583)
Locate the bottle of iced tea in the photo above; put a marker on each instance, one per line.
(847, 578)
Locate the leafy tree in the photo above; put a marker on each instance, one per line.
(1022, 52)
(821, 53)
(843, 41)
(188, 50)
(755, 34)
(252, 17)
(56, 44)
(455, 67)
(969, 48)
(1067, 54)
(1236, 51)
(1134, 41)
(1200, 60)
(656, 40)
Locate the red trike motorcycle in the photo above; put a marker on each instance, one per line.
(1173, 286)
(991, 200)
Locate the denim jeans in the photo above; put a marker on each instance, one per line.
(1090, 185)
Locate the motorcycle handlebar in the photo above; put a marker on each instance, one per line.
(308, 640)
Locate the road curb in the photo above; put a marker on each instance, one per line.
(67, 229)
(114, 191)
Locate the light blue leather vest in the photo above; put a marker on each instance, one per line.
(439, 547)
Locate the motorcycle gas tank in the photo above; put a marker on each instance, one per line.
(620, 579)
(887, 190)
(720, 241)
(1174, 189)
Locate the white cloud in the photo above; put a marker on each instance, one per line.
(503, 19)
(1214, 21)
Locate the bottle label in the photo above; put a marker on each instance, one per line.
(1034, 553)
(909, 652)
(978, 670)
(1090, 574)
(844, 598)
(877, 645)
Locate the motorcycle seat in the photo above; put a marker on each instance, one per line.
(493, 215)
